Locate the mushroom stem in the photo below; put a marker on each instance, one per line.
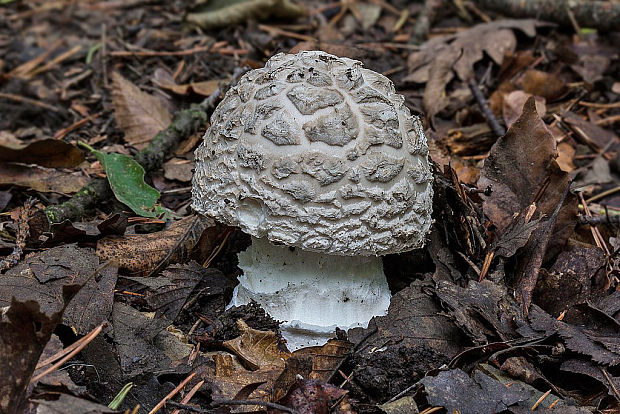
(311, 293)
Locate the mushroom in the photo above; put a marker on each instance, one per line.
(321, 162)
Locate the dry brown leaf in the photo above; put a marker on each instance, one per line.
(164, 80)
(142, 253)
(512, 107)
(519, 163)
(566, 153)
(259, 351)
(326, 358)
(178, 169)
(544, 84)
(440, 56)
(41, 179)
(140, 115)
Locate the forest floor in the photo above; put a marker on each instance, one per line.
(114, 301)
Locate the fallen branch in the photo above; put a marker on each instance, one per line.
(185, 123)
(486, 111)
(598, 14)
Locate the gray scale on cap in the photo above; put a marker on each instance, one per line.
(317, 152)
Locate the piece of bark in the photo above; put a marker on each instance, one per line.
(599, 14)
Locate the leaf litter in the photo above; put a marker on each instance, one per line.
(513, 300)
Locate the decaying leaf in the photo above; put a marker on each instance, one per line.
(585, 330)
(456, 391)
(400, 347)
(220, 13)
(440, 56)
(513, 103)
(25, 329)
(140, 115)
(44, 275)
(578, 275)
(51, 153)
(257, 348)
(66, 403)
(260, 352)
(142, 253)
(44, 180)
(168, 293)
(134, 333)
(483, 310)
(317, 397)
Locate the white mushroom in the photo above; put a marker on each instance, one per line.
(322, 163)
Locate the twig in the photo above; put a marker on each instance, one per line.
(172, 393)
(611, 383)
(540, 400)
(63, 132)
(189, 395)
(29, 101)
(596, 234)
(603, 194)
(596, 220)
(185, 123)
(486, 111)
(83, 342)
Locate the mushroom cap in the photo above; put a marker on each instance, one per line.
(316, 152)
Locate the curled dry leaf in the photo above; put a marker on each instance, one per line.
(518, 166)
(260, 352)
(435, 62)
(317, 397)
(512, 106)
(140, 115)
(142, 253)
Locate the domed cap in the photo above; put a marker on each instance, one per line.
(316, 152)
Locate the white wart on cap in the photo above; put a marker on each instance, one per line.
(316, 152)
(313, 151)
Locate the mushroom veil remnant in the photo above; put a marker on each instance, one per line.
(321, 162)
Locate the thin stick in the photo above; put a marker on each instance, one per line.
(29, 101)
(603, 194)
(598, 238)
(611, 383)
(486, 111)
(83, 342)
(63, 132)
(189, 395)
(172, 393)
(58, 59)
(540, 400)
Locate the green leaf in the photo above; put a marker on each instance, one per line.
(126, 178)
(91, 52)
(118, 400)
